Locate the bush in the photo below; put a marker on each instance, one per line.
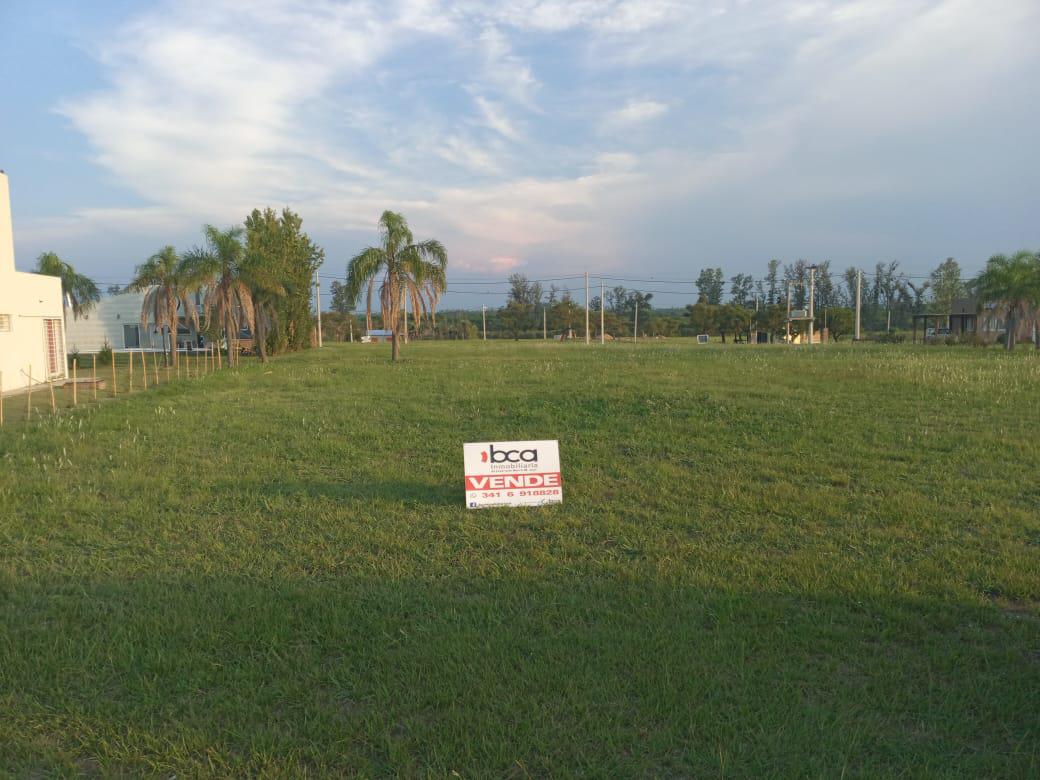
(892, 337)
(104, 355)
(73, 357)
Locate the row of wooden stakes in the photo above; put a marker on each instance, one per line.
(195, 365)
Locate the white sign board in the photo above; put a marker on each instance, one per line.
(512, 473)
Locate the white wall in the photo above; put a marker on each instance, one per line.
(28, 300)
(105, 321)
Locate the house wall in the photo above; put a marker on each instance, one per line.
(104, 324)
(28, 300)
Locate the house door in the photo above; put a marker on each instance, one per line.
(54, 346)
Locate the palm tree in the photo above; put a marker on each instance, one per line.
(218, 270)
(78, 290)
(163, 278)
(1013, 284)
(404, 270)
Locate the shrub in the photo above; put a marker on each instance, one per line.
(73, 357)
(891, 337)
(104, 355)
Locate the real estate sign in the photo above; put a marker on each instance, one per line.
(512, 473)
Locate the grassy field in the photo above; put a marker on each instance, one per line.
(769, 562)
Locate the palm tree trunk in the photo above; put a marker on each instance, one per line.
(395, 352)
(260, 336)
(1009, 340)
(231, 356)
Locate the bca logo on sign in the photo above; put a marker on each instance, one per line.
(512, 473)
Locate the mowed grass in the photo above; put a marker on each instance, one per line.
(769, 562)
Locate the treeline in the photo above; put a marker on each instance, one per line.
(247, 282)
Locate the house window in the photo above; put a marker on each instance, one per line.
(131, 336)
(5, 323)
(54, 345)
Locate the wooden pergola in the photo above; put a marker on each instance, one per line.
(925, 318)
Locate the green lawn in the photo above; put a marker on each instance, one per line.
(769, 561)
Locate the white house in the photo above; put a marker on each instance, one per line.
(32, 323)
(115, 320)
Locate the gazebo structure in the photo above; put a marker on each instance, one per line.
(963, 318)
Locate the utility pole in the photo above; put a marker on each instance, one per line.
(317, 293)
(812, 294)
(587, 335)
(859, 300)
(602, 334)
(788, 312)
(483, 318)
(635, 325)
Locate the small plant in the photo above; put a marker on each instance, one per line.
(104, 355)
(73, 357)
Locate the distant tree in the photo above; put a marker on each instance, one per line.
(617, 299)
(340, 302)
(703, 318)
(114, 289)
(638, 299)
(947, 285)
(889, 288)
(564, 314)
(839, 322)
(850, 278)
(406, 269)
(79, 291)
(773, 281)
(710, 286)
(916, 293)
(1013, 285)
(163, 278)
(826, 296)
(741, 289)
(797, 276)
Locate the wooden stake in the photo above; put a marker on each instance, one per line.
(155, 367)
(93, 376)
(220, 361)
(144, 371)
(178, 368)
(54, 406)
(28, 397)
(1, 399)
(113, 374)
(130, 380)
(75, 384)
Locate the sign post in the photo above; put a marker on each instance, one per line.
(512, 473)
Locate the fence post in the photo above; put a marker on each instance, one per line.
(113, 374)
(93, 376)
(130, 379)
(75, 384)
(144, 371)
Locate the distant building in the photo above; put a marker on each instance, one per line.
(378, 336)
(32, 321)
(116, 321)
(969, 317)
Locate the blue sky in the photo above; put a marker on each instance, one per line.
(629, 137)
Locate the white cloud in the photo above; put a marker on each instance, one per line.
(640, 111)
(342, 109)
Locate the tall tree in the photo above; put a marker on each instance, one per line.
(1013, 285)
(710, 286)
(163, 278)
(741, 289)
(404, 269)
(797, 276)
(217, 269)
(773, 281)
(280, 261)
(79, 291)
(947, 285)
(340, 303)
